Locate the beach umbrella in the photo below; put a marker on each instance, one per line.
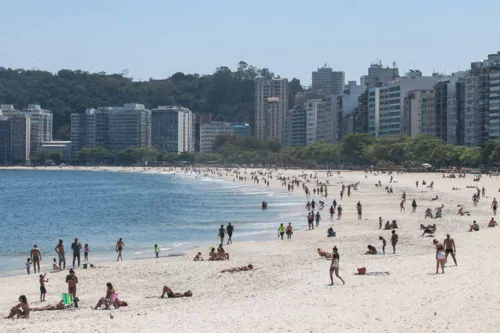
(427, 165)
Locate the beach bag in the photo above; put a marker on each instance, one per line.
(362, 271)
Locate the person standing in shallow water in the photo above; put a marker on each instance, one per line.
(281, 231)
(119, 248)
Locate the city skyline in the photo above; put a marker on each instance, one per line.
(136, 38)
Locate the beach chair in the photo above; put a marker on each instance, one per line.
(67, 299)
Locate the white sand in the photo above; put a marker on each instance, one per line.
(289, 291)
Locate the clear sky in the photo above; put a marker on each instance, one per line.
(156, 38)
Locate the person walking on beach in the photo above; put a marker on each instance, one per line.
(494, 206)
(76, 247)
(440, 257)
(36, 257)
(450, 248)
(318, 218)
(402, 206)
(339, 212)
(394, 241)
(359, 208)
(483, 192)
(332, 211)
(281, 231)
(380, 222)
(222, 233)
(289, 231)
(119, 248)
(60, 254)
(335, 266)
(310, 220)
(384, 243)
(28, 266)
(72, 281)
(229, 231)
(414, 205)
(334, 204)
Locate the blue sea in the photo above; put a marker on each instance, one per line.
(176, 211)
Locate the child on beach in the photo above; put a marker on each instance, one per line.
(43, 291)
(157, 250)
(28, 266)
(55, 267)
(86, 252)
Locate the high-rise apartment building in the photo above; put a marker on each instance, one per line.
(347, 104)
(173, 129)
(15, 139)
(271, 105)
(40, 121)
(420, 113)
(386, 103)
(379, 75)
(296, 127)
(328, 81)
(210, 131)
(361, 114)
(114, 128)
(482, 101)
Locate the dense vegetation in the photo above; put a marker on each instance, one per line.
(227, 95)
(361, 150)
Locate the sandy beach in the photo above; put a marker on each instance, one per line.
(289, 291)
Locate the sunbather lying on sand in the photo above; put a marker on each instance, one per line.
(238, 269)
(171, 294)
(58, 306)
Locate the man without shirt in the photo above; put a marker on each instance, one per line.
(450, 248)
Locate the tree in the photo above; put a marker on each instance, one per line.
(353, 147)
(98, 155)
(42, 157)
(56, 157)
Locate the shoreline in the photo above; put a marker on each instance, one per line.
(291, 285)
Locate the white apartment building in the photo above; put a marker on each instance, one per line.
(172, 129)
(327, 81)
(210, 131)
(40, 122)
(419, 113)
(271, 105)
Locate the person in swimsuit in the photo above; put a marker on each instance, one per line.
(494, 206)
(371, 250)
(491, 224)
(72, 281)
(43, 290)
(238, 269)
(198, 257)
(450, 248)
(383, 243)
(335, 266)
(394, 240)
(170, 294)
(474, 227)
(36, 257)
(380, 222)
(119, 248)
(402, 206)
(440, 257)
(76, 247)
(60, 253)
(86, 251)
(229, 231)
(21, 310)
(106, 301)
(289, 231)
(221, 234)
(58, 306)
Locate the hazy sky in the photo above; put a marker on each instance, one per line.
(156, 38)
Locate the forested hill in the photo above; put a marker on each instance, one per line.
(227, 95)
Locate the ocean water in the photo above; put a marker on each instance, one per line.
(176, 211)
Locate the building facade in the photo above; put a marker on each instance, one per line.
(15, 145)
(420, 113)
(210, 131)
(271, 105)
(328, 81)
(296, 127)
(172, 129)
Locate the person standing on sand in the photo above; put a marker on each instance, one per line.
(394, 241)
(281, 231)
(450, 248)
(157, 250)
(72, 281)
(383, 243)
(318, 218)
(334, 204)
(339, 212)
(494, 206)
(60, 254)
(289, 231)
(119, 248)
(332, 211)
(414, 205)
(76, 247)
(221, 234)
(380, 222)
(359, 208)
(36, 257)
(440, 257)
(402, 206)
(335, 266)
(229, 231)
